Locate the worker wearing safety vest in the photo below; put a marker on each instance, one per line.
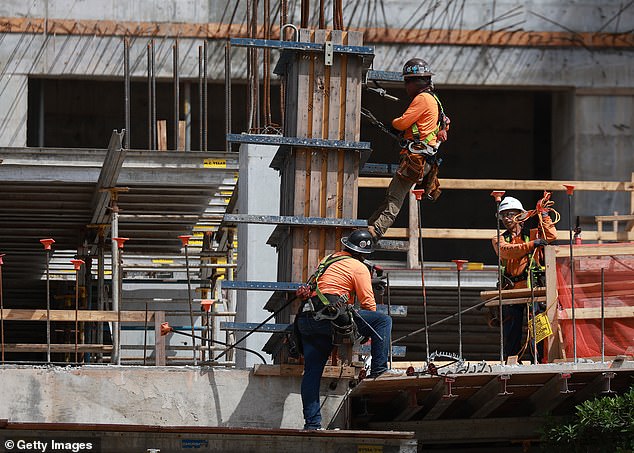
(339, 278)
(521, 251)
(423, 127)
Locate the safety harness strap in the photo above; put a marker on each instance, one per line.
(434, 133)
(323, 265)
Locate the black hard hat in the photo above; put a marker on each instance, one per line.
(359, 241)
(416, 67)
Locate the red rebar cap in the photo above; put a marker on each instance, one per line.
(569, 188)
(77, 264)
(184, 239)
(120, 241)
(418, 193)
(460, 263)
(47, 243)
(1, 263)
(498, 194)
(165, 328)
(206, 304)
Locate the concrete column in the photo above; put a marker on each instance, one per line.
(14, 95)
(259, 193)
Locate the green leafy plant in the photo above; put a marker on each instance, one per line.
(605, 424)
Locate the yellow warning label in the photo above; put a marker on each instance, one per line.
(199, 243)
(475, 266)
(215, 163)
(162, 261)
(544, 330)
(226, 193)
(369, 448)
(198, 234)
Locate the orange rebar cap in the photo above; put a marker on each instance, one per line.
(47, 243)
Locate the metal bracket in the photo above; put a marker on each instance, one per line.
(328, 53)
(564, 383)
(503, 378)
(607, 380)
(448, 382)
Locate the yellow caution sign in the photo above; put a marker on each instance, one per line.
(215, 163)
(226, 193)
(542, 325)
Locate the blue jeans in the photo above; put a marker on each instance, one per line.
(513, 316)
(317, 342)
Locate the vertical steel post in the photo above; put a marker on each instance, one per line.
(570, 190)
(176, 93)
(77, 264)
(101, 283)
(145, 335)
(120, 243)
(200, 98)
(531, 276)
(47, 248)
(205, 110)
(602, 315)
(418, 193)
(114, 358)
(153, 86)
(389, 312)
(185, 241)
(126, 75)
(1, 310)
(228, 93)
(149, 96)
(459, 265)
(497, 196)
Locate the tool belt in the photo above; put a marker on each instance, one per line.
(337, 312)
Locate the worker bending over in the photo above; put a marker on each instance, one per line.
(338, 279)
(423, 127)
(521, 252)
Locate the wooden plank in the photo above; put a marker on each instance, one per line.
(512, 293)
(487, 399)
(413, 260)
(595, 313)
(511, 184)
(23, 314)
(516, 301)
(336, 372)
(304, 87)
(613, 218)
(420, 36)
(159, 340)
(181, 135)
(595, 250)
(161, 132)
(57, 347)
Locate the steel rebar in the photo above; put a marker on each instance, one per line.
(498, 199)
(189, 299)
(153, 97)
(176, 93)
(533, 314)
(205, 99)
(149, 96)
(115, 280)
(422, 275)
(200, 98)
(145, 335)
(389, 311)
(126, 70)
(227, 93)
(1, 311)
(48, 307)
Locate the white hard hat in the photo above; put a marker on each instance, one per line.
(511, 203)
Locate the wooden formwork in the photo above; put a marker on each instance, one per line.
(322, 102)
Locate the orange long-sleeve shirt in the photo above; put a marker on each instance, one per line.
(516, 253)
(349, 276)
(423, 110)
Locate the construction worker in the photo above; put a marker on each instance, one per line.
(423, 127)
(520, 252)
(339, 278)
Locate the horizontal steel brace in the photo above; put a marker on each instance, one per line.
(297, 142)
(384, 76)
(300, 46)
(259, 286)
(293, 220)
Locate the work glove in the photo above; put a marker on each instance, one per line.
(379, 284)
(303, 292)
(540, 242)
(543, 205)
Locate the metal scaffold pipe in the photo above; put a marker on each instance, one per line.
(47, 248)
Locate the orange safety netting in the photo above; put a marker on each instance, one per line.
(618, 296)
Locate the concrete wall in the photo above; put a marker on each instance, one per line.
(259, 194)
(156, 396)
